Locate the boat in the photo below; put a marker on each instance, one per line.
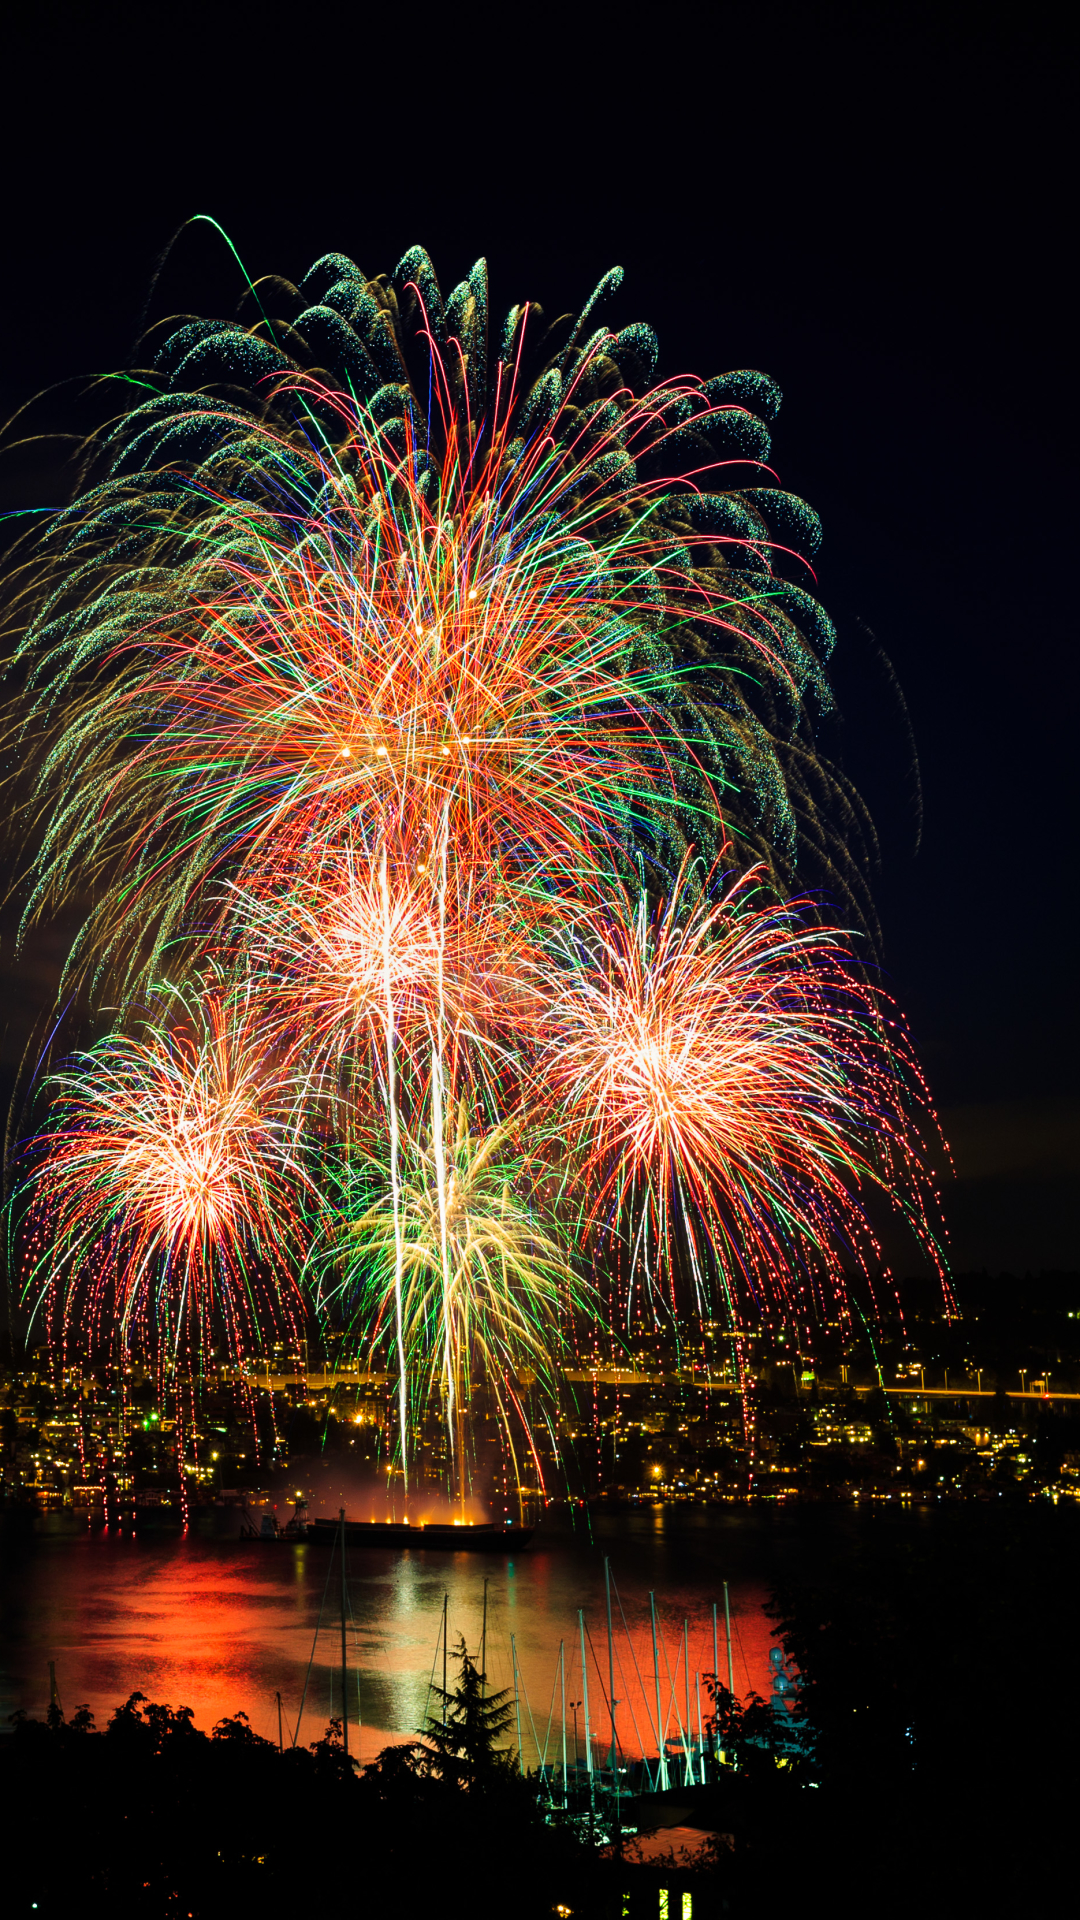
(269, 1530)
(455, 1536)
(469, 1536)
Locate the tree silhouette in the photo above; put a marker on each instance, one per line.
(465, 1735)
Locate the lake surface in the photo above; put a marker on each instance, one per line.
(221, 1626)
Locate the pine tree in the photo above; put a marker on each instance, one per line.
(464, 1736)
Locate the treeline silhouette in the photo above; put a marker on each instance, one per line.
(150, 1816)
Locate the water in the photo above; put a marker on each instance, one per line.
(222, 1626)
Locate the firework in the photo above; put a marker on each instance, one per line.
(488, 1291)
(164, 1197)
(415, 690)
(734, 1087)
(397, 931)
(388, 979)
(297, 618)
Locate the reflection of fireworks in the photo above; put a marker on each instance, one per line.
(731, 1084)
(379, 689)
(163, 1198)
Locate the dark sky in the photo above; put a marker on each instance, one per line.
(871, 204)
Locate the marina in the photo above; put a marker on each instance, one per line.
(671, 1748)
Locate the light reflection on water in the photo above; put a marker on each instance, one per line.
(220, 1625)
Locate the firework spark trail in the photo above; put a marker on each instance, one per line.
(438, 1116)
(395, 1184)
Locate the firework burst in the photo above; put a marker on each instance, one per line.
(390, 930)
(488, 1291)
(733, 1086)
(164, 1197)
(302, 616)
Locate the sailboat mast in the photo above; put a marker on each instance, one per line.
(611, 1677)
(585, 1701)
(344, 1647)
(517, 1699)
(483, 1647)
(445, 1604)
(562, 1688)
(727, 1629)
(661, 1754)
(686, 1680)
(716, 1680)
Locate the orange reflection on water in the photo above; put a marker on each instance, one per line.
(223, 1626)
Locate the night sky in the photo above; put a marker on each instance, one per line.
(869, 204)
